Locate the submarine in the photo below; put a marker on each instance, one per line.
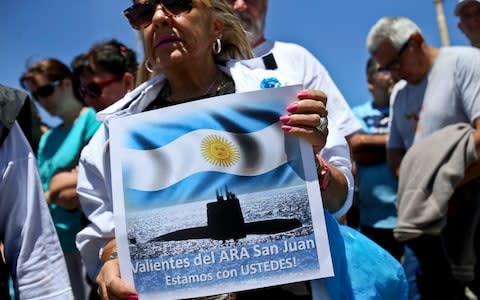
(225, 221)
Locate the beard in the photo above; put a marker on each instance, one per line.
(254, 27)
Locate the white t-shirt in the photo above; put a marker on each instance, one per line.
(405, 105)
(448, 94)
(300, 66)
(452, 93)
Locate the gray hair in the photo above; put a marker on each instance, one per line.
(395, 29)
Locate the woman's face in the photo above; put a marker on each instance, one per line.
(48, 94)
(171, 41)
(101, 89)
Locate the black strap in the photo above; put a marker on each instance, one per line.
(3, 133)
(269, 62)
(4, 290)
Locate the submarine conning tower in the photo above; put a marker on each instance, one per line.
(225, 218)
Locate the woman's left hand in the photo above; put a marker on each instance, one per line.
(307, 118)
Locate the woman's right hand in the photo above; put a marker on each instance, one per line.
(110, 284)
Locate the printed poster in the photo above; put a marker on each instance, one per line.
(211, 196)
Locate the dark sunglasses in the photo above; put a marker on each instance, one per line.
(140, 15)
(46, 90)
(394, 64)
(94, 89)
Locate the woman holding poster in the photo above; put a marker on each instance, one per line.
(192, 50)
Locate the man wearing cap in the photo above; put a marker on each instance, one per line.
(469, 13)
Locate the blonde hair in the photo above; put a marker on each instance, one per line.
(235, 44)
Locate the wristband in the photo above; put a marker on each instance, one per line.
(323, 172)
(108, 252)
(113, 255)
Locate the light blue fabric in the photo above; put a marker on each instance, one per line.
(374, 120)
(411, 266)
(374, 273)
(377, 187)
(339, 286)
(377, 196)
(59, 149)
(363, 270)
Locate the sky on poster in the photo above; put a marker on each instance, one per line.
(334, 31)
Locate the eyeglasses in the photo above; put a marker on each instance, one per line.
(140, 15)
(94, 89)
(46, 90)
(395, 63)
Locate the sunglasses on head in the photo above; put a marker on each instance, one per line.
(94, 89)
(46, 90)
(140, 15)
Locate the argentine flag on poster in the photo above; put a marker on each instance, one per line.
(188, 152)
(173, 166)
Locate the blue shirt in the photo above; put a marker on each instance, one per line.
(377, 186)
(59, 149)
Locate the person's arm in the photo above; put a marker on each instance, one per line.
(394, 159)
(476, 136)
(32, 249)
(96, 242)
(473, 171)
(333, 185)
(302, 122)
(336, 152)
(94, 193)
(109, 279)
(63, 190)
(368, 149)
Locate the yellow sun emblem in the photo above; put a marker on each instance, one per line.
(219, 151)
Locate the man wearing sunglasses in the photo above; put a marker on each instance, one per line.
(443, 88)
(296, 62)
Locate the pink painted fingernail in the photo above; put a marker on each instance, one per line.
(286, 128)
(285, 119)
(292, 107)
(132, 297)
(303, 95)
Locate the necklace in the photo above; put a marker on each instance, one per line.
(208, 91)
(226, 86)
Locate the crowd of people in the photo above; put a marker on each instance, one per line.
(398, 175)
